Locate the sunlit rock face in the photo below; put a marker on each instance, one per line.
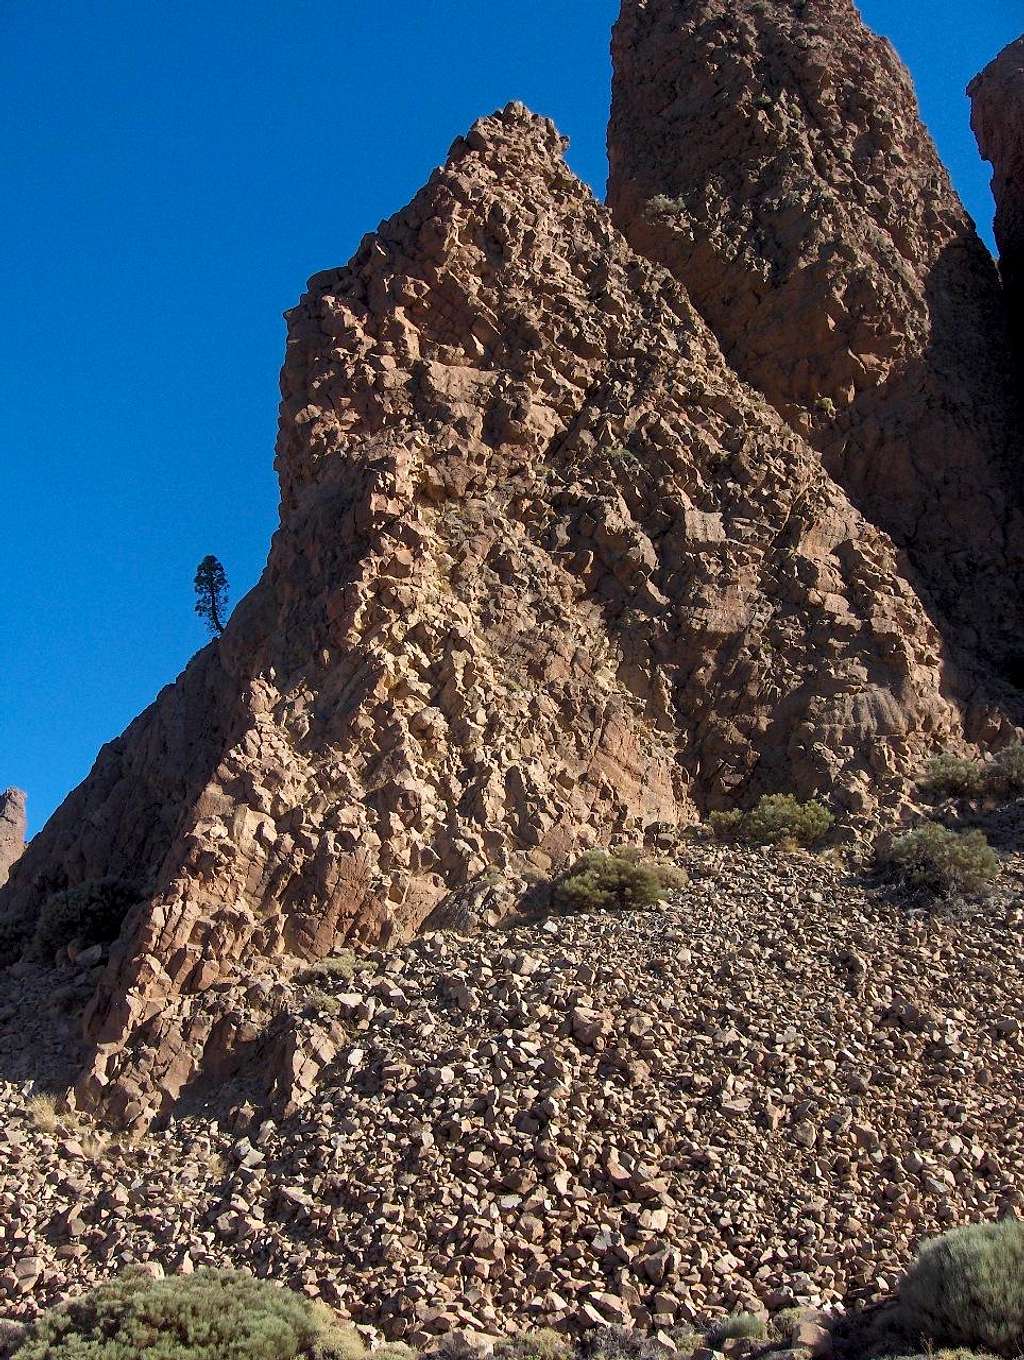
(584, 530)
(772, 156)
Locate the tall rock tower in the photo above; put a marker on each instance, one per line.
(12, 830)
(997, 97)
(770, 153)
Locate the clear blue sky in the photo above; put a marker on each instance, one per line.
(172, 174)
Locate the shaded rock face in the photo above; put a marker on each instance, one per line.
(12, 830)
(997, 116)
(772, 156)
(548, 573)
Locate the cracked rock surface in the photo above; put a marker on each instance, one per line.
(550, 570)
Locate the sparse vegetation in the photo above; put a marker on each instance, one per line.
(939, 861)
(598, 881)
(341, 965)
(1001, 778)
(213, 1313)
(966, 1289)
(542, 1344)
(950, 776)
(737, 1325)
(91, 913)
(776, 819)
(1004, 777)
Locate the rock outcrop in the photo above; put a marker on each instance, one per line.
(548, 573)
(997, 98)
(770, 153)
(12, 830)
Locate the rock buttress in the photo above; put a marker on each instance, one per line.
(772, 156)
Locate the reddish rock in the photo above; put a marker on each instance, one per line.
(548, 573)
(771, 154)
(12, 830)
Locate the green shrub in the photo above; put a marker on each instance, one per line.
(950, 776)
(776, 819)
(91, 913)
(341, 965)
(966, 1288)
(211, 1315)
(1004, 776)
(738, 1324)
(785, 1320)
(602, 882)
(542, 1344)
(727, 826)
(940, 861)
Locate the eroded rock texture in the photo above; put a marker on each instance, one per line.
(12, 830)
(548, 571)
(997, 117)
(771, 154)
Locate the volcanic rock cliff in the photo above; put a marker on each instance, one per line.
(998, 120)
(550, 572)
(772, 156)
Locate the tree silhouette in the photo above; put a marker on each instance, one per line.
(211, 585)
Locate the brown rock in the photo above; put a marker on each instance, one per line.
(12, 830)
(548, 571)
(772, 156)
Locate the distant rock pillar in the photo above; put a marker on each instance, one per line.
(997, 117)
(12, 830)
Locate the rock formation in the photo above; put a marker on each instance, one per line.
(548, 572)
(997, 117)
(12, 830)
(771, 154)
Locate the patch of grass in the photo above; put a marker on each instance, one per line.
(42, 1111)
(220, 1313)
(776, 819)
(939, 861)
(966, 1289)
(393, 1350)
(542, 1344)
(324, 1002)
(784, 1321)
(737, 1325)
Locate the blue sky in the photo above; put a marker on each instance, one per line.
(172, 175)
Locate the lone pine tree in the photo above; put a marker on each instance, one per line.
(211, 585)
